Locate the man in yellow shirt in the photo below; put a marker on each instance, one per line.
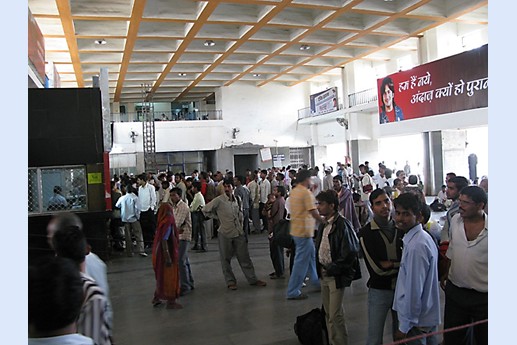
(304, 215)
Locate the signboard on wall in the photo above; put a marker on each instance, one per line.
(324, 102)
(455, 83)
(265, 154)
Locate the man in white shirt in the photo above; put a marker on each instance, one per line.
(380, 178)
(316, 185)
(264, 190)
(147, 198)
(466, 282)
(328, 182)
(442, 195)
(255, 204)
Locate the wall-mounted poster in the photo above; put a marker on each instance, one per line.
(455, 83)
(324, 102)
(265, 154)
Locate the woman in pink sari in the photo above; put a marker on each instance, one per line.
(165, 259)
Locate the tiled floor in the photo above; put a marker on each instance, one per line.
(212, 314)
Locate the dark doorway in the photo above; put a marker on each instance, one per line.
(243, 162)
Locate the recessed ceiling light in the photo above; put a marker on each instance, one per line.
(182, 74)
(304, 47)
(256, 74)
(100, 42)
(209, 43)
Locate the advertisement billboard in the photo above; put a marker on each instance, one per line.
(324, 102)
(455, 83)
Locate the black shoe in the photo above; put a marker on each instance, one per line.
(196, 247)
(299, 297)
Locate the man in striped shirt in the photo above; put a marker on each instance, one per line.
(55, 299)
(184, 224)
(70, 242)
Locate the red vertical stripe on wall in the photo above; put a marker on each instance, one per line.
(107, 180)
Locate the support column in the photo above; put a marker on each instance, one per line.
(346, 105)
(433, 162)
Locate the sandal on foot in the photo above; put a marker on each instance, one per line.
(156, 302)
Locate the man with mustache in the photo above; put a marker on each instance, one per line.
(466, 285)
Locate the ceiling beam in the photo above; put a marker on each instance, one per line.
(134, 24)
(65, 14)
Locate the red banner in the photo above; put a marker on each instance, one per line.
(455, 83)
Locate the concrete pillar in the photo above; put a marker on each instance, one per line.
(354, 149)
(433, 162)
(115, 111)
(344, 82)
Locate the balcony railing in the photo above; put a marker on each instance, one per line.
(169, 116)
(362, 97)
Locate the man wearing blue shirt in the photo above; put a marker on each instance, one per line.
(57, 201)
(417, 296)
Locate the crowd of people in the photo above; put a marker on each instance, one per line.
(333, 222)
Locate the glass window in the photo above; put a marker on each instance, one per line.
(57, 189)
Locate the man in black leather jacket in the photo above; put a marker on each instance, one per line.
(337, 247)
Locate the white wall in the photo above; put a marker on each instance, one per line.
(265, 114)
(170, 136)
(262, 115)
(460, 119)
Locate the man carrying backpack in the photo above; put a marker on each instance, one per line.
(337, 247)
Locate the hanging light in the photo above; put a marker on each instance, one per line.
(101, 41)
(182, 74)
(209, 43)
(256, 74)
(304, 47)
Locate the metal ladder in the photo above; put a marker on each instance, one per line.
(148, 129)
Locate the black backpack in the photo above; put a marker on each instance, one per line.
(311, 328)
(437, 206)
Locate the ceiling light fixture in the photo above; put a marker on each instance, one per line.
(209, 43)
(182, 74)
(304, 47)
(256, 74)
(100, 42)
